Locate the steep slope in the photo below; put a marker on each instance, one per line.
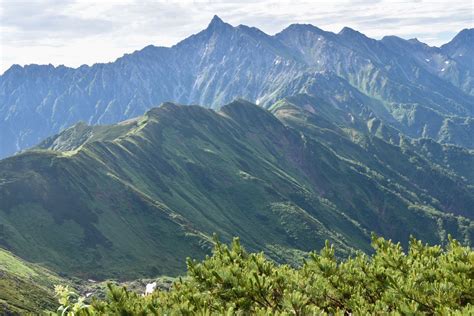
(24, 287)
(406, 162)
(437, 61)
(223, 62)
(339, 128)
(421, 101)
(138, 202)
(461, 48)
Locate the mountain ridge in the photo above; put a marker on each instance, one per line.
(224, 62)
(187, 172)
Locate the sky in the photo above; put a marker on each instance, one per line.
(76, 32)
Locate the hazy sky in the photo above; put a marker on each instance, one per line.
(84, 32)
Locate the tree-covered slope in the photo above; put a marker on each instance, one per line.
(135, 199)
(425, 91)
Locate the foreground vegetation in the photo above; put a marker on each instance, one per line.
(426, 279)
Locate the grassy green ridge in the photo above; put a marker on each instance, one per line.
(137, 202)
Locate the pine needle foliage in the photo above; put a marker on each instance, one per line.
(430, 280)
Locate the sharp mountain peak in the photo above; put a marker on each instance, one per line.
(216, 20)
(217, 23)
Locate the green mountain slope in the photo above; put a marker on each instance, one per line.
(422, 165)
(135, 199)
(25, 287)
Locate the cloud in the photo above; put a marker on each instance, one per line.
(49, 19)
(75, 32)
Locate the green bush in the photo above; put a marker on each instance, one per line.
(426, 280)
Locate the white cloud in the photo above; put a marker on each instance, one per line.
(76, 32)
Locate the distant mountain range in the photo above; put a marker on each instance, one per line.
(418, 90)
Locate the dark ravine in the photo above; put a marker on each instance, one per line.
(136, 198)
(420, 90)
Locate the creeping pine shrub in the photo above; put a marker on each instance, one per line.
(425, 280)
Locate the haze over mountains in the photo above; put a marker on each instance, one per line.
(421, 91)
